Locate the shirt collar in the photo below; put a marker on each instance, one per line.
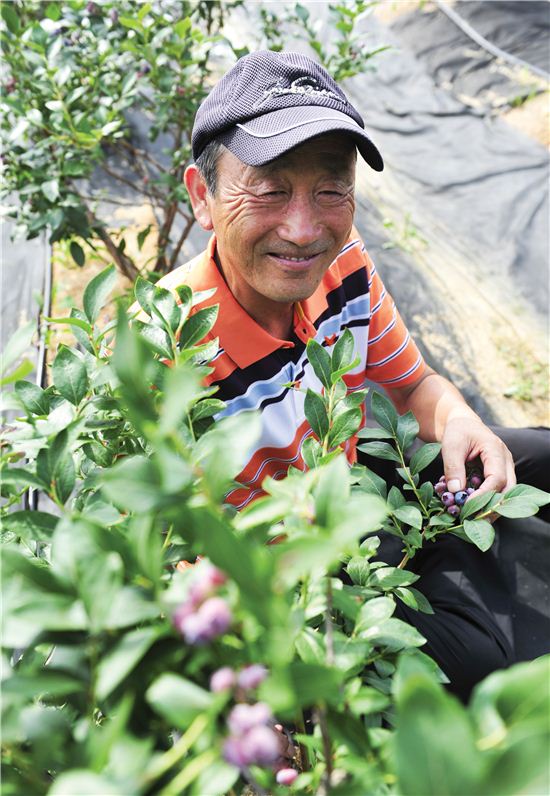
(244, 340)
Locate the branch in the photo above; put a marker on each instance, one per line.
(124, 263)
(179, 244)
(143, 153)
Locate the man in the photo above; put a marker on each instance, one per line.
(275, 146)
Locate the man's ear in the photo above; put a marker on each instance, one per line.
(197, 190)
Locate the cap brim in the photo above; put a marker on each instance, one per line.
(261, 140)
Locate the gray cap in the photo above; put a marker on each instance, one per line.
(270, 102)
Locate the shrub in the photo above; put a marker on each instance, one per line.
(77, 74)
(128, 672)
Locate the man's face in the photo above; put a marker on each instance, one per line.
(280, 226)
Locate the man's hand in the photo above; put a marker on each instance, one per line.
(467, 438)
(444, 416)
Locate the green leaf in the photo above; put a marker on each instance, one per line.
(316, 413)
(475, 504)
(97, 291)
(207, 408)
(435, 749)
(31, 525)
(156, 337)
(35, 400)
(165, 309)
(123, 658)
(410, 515)
(82, 782)
(77, 253)
(424, 456)
(373, 483)
(480, 532)
(368, 700)
(530, 493)
(144, 292)
(142, 236)
(319, 359)
(331, 490)
(374, 612)
(310, 646)
(133, 484)
(380, 450)
(185, 297)
(358, 569)
(20, 372)
(69, 375)
(10, 17)
(374, 433)
(384, 412)
(20, 341)
(386, 578)
(342, 353)
(197, 326)
(312, 453)
(395, 498)
(516, 507)
(394, 634)
(344, 427)
(50, 189)
(77, 322)
(407, 430)
(414, 599)
(178, 700)
(55, 466)
(21, 478)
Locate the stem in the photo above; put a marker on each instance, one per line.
(410, 480)
(329, 626)
(189, 773)
(326, 782)
(178, 750)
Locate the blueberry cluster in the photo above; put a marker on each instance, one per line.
(203, 616)
(454, 500)
(254, 740)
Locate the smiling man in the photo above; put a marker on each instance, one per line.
(275, 146)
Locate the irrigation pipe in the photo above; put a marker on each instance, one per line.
(466, 28)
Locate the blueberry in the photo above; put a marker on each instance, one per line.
(440, 487)
(475, 481)
(470, 490)
(448, 499)
(454, 511)
(461, 497)
(223, 679)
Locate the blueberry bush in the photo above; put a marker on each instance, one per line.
(81, 78)
(157, 642)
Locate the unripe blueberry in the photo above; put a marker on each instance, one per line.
(440, 487)
(262, 745)
(460, 497)
(454, 511)
(194, 629)
(252, 676)
(244, 717)
(448, 499)
(223, 679)
(216, 614)
(234, 751)
(113, 16)
(475, 481)
(286, 776)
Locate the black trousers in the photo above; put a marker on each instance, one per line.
(470, 634)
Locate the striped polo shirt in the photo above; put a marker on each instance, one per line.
(252, 369)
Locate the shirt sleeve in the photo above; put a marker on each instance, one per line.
(393, 359)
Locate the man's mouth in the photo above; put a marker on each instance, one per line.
(292, 260)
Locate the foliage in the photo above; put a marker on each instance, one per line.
(107, 666)
(77, 76)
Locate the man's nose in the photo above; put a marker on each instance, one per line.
(300, 224)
